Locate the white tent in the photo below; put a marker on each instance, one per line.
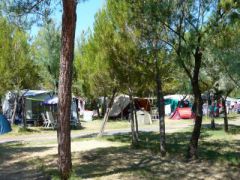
(120, 103)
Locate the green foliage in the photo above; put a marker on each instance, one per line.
(46, 50)
(24, 13)
(16, 65)
(92, 75)
(114, 56)
(146, 19)
(222, 60)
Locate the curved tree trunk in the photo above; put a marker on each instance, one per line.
(65, 84)
(193, 146)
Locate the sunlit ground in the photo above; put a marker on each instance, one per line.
(111, 157)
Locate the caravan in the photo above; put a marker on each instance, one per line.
(24, 104)
(30, 104)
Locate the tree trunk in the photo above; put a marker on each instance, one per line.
(23, 113)
(225, 114)
(212, 114)
(65, 84)
(103, 107)
(193, 146)
(96, 108)
(78, 117)
(134, 136)
(136, 120)
(105, 119)
(213, 122)
(121, 113)
(14, 109)
(161, 110)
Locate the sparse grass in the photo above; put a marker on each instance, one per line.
(211, 140)
(231, 116)
(219, 158)
(111, 157)
(90, 127)
(111, 124)
(18, 131)
(95, 125)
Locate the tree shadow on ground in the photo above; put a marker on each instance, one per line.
(216, 161)
(27, 130)
(124, 162)
(11, 165)
(219, 159)
(78, 127)
(232, 129)
(223, 150)
(176, 142)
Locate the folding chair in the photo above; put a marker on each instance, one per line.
(45, 120)
(52, 122)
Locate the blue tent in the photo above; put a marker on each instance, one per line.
(4, 125)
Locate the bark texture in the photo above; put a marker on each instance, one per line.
(161, 110)
(105, 119)
(134, 134)
(212, 114)
(15, 110)
(136, 120)
(65, 84)
(225, 114)
(197, 106)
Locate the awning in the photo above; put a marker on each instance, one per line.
(51, 101)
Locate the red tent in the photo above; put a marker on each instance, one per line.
(182, 113)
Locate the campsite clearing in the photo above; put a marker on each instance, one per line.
(89, 129)
(111, 157)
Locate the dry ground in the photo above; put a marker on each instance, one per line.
(111, 157)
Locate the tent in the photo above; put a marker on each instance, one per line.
(180, 106)
(121, 105)
(4, 125)
(182, 113)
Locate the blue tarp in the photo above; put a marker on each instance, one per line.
(4, 125)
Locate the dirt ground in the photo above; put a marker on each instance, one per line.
(34, 157)
(51, 135)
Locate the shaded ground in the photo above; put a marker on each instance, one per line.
(111, 157)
